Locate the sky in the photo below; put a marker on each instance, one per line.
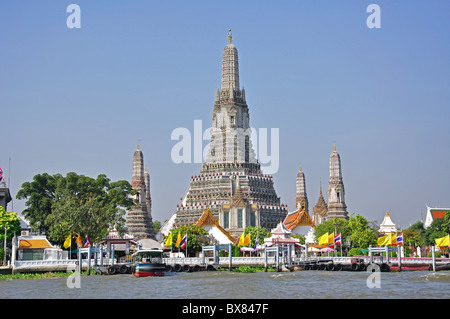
(80, 99)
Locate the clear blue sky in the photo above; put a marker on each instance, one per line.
(80, 99)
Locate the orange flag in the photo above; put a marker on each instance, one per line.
(79, 242)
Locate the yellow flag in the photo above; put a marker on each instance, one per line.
(168, 241)
(67, 242)
(241, 240)
(79, 242)
(443, 242)
(178, 240)
(331, 239)
(385, 240)
(323, 240)
(394, 240)
(246, 240)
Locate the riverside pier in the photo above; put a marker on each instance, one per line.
(278, 257)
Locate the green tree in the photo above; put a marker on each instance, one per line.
(413, 236)
(156, 225)
(12, 223)
(361, 234)
(40, 196)
(76, 204)
(260, 231)
(196, 237)
(435, 230)
(328, 226)
(446, 223)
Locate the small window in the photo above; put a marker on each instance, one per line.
(240, 218)
(226, 220)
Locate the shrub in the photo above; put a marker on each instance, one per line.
(355, 251)
(438, 254)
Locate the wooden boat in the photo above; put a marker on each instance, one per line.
(149, 262)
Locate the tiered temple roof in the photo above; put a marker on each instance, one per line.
(207, 220)
(298, 218)
(231, 168)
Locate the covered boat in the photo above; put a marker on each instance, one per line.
(148, 262)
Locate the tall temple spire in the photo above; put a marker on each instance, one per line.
(301, 199)
(139, 221)
(320, 210)
(230, 66)
(230, 131)
(148, 197)
(231, 182)
(336, 191)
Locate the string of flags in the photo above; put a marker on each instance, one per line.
(68, 241)
(330, 239)
(390, 240)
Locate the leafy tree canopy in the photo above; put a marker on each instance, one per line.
(435, 230)
(12, 223)
(260, 231)
(196, 237)
(75, 204)
(328, 226)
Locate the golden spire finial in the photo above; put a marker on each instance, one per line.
(139, 144)
(300, 168)
(230, 38)
(334, 146)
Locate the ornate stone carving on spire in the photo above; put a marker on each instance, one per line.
(230, 67)
(320, 210)
(336, 191)
(231, 182)
(139, 221)
(301, 198)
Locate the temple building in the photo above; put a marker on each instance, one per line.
(139, 218)
(336, 191)
(5, 195)
(301, 199)
(320, 210)
(231, 182)
(212, 226)
(298, 222)
(433, 213)
(387, 226)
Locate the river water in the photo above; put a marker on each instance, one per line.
(232, 285)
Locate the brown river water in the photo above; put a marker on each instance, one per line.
(232, 285)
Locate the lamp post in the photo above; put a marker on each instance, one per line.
(4, 245)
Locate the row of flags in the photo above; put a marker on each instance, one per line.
(181, 242)
(330, 239)
(68, 241)
(398, 240)
(245, 241)
(389, 240)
